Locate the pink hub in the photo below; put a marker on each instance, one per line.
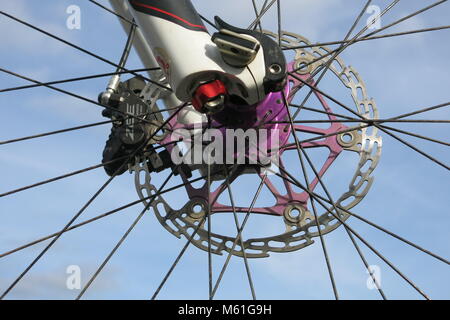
(278, 112)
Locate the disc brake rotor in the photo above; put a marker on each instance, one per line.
(291, 207)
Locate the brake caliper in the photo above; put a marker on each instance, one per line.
(128, 132)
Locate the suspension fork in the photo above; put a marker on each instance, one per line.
(192, 62)
(142, 46)
(182, 48)
(199, 68)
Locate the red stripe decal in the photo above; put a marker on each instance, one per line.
(169, 14)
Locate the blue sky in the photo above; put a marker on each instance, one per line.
(409, 195)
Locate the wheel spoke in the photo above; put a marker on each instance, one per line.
(58, 235)
(332, 208)
(123, 238)
(113, 12)
(341, 48)
(342, 209)
(438, 162)
(405, 115)
(406, 17)
(365, 38)
(301, 150)
(377, 31)
(74, 95)
(76, 79)
(412, 244)
(279, 21)
(40, 135)
(86, 205)
(72, 45)
(255, 9)
(322, 111)
(288, 145)
(263, 12)
(305, 175)
(106, 214)
(210, 266)
(260, 12)
(409, 133)
(377, 121)
(241, 242)
(383, 126)
(389, 263)
(330, 199)
(338, 51)
(239, 235)
(426, 155)
(423, 110)
(371, 122)
(183, 250)
(40, 183)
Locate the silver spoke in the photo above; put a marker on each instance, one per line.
(123, 238)
(183, 250)
(255, 9)
(239, 235)
(68, 43)
(106, 214)
(279, 21)
(342, 209)
(210, 266)
(381, 128)
(389, 263)
(263, 12)
(241, 242)
(366, 38)
(328, 135)
(305, 175)
(40, 135)
(338, 51)
(77, 96)
(76, 79)
(103, 187)
(114, 13)
(379, 30)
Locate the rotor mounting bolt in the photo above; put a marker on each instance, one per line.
(275, 68)
(210, 97)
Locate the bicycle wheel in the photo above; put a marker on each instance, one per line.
(382, 229)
